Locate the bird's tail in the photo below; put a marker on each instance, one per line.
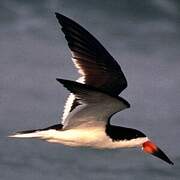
(35, 133)
(27, 134)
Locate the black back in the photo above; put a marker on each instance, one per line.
(117, 133)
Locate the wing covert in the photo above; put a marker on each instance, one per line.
(94, 105)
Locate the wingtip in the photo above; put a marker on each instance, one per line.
(60, 80)
(57, 14)
(171, 163)
(64, 82)
(60, 16)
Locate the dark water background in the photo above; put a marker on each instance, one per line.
(144, 37)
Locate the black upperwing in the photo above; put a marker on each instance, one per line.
(93, 61)
(97, 67)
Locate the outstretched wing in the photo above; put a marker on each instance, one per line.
(94, 104)
(95, 65)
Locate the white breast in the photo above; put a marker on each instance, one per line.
(92, 136)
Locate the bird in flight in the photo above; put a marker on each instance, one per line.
(93, 100)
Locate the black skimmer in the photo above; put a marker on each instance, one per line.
(93, 100)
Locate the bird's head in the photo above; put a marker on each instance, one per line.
(151, 148)
(135, 138)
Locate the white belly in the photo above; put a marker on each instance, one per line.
(91, 137)
(88, 134)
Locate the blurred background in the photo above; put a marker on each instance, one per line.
(143, 36)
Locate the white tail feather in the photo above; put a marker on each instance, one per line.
(36, 134)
